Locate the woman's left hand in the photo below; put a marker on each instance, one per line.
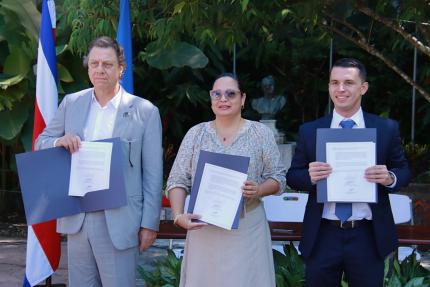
(251, 189)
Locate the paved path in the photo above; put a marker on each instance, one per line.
(12, 261)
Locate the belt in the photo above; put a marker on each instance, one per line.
(347, 224)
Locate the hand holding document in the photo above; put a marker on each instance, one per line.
(44, 178)
(90, 168)
(349, 161)
(219, 195)
(349, 152)
(216, 192)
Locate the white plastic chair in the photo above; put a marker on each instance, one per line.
(287, 207)
(401, 207)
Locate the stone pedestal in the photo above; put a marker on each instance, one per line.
(287, 151)
(271, 124)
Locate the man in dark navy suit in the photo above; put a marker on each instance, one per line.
(348, 237)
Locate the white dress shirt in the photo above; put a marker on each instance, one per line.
(101, 120)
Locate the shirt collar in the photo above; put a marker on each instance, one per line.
(112, 104)
(358, 118)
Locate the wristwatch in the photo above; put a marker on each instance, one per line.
(392, 176)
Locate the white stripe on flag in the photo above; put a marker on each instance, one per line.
(45, 87)
(36, 260)
(51, 8)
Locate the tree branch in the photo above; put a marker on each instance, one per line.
(346, 24)
(425, 32)
(394, 26)
(371, 50)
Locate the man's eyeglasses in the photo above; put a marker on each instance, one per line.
(216, 95)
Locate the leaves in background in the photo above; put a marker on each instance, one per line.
(27, 13)
(12, 121)
(178, 55)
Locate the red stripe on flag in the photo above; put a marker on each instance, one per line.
(50, 244)
(39, 123)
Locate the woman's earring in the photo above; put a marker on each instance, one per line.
(243, 107)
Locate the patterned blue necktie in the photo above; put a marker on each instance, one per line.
(343, 210)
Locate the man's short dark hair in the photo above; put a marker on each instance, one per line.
(352, 63)
(106, 42)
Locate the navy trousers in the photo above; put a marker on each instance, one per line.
(352, 251)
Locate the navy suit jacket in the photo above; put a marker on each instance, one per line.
(389, 152)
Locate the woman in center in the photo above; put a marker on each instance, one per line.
(214, 256)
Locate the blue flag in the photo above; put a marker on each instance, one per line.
(123, 36)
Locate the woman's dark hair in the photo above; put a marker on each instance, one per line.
(106, 42)
(230, 75)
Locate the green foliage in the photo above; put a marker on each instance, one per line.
(185, 98)
(356, 34)
(12, 90)
(100, 18)
(407, 273)
(27, 15)
(20, 21)
(418, 156)
(19, 33)
(17, 62)
(181, 54)
(290, 271)
(289, 268)
(7, 81)
(167, 272)
(12, 121)
(179, 42)
(63, 74)
(181, 46)
(88, 20)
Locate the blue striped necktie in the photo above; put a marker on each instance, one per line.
(343, 210)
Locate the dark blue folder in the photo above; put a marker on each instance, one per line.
(234, 162)
(44, 177)
(338, 135)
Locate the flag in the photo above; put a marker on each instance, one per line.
(43, 242)
(123, 36)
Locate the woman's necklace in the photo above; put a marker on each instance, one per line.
(227, 137)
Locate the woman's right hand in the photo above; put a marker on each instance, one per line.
(184, 220)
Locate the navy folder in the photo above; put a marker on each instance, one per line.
(338, 135)
(44, 177)
(234, 162)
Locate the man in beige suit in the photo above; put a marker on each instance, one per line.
(103, 245)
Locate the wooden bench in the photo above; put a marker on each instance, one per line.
(282, 231)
